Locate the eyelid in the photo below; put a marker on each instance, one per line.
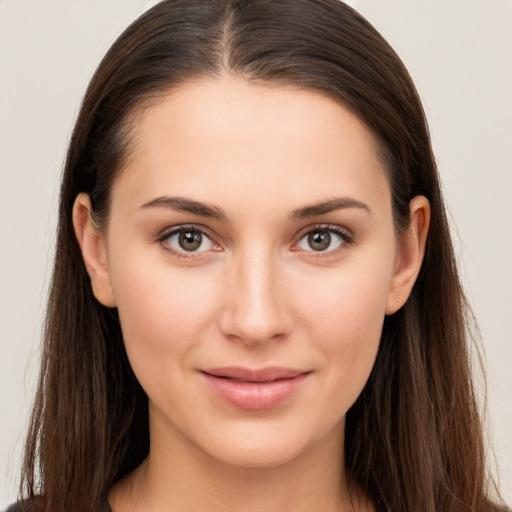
(342, 232)
(325, 226)
(172, 230)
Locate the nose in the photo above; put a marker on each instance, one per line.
(256, 309)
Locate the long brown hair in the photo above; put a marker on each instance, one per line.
(413, 438)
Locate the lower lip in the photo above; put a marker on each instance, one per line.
(255, 395)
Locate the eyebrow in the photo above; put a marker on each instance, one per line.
(183, 204)
(338, 203)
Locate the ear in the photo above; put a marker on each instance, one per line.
(92, 244)
(411, 249)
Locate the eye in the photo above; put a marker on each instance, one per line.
(186, 240)
(323, 239)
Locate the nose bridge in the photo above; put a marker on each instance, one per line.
(256, 311)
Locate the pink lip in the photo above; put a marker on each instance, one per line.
(254, 389)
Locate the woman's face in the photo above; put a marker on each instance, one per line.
(251, 254)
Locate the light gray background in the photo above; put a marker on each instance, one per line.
(459, 53)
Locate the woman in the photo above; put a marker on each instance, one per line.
(255, 304)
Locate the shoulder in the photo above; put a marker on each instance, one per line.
(25, 507)
(21, 506)
(37, 504)
(15, 507)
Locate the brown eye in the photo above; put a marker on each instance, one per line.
(319, 240)
(328, 240)
(185, 239)
(190, 240)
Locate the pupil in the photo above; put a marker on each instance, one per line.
(320, 240)
(190, 240)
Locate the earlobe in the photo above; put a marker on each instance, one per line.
(92, 244)
(410, 253)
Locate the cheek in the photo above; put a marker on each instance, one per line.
(348, 302)
(163, 312)
(345, 318)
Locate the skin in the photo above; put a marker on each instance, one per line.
(255, 294)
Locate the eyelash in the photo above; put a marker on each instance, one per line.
(346, 237)
(193, 228)
(343, 234)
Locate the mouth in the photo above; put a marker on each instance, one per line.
(255, 389)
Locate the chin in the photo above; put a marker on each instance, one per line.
(253, 447)
(259, 456)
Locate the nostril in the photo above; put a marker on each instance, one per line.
(256, 305)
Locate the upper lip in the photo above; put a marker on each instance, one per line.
(267, 374)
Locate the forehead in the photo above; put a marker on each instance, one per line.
(229, 138)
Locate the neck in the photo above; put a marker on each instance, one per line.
(179, 476)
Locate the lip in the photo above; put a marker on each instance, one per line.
(257, 389)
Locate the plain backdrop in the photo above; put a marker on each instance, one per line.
(459, 52)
